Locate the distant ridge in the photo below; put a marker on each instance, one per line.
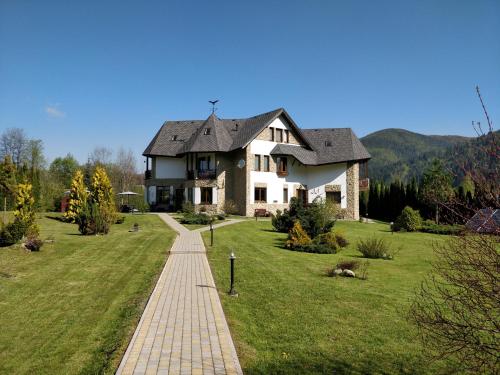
(402, 154)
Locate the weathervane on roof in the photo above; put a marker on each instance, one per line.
(213, 102)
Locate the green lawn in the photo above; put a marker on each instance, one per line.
(291, 319)
(72, 307)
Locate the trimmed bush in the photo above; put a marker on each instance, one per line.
(431, 227)
(195, 219)
(188, 208)
(319, 217)
(13, 232)
(376, 248)
(409, 220)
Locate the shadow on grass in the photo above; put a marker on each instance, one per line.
(326, 365)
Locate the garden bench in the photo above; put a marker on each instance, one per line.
(261, 212)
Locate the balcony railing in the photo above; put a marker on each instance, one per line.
(364, 184)
(205, 174)
(148, 175)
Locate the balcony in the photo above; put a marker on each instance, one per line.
(148, 175)
(205, 174)
(364, 184)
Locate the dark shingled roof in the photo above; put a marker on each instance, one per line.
(302, 154)
(214, 134)
(335, 145)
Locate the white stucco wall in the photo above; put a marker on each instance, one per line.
(315, 177)
(170, 167)
(197, 195)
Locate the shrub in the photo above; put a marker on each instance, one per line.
(203, 209)
(221, 217)
(187, 208)
(13, 232)
(120, 220)
(33, 243)
(348, 264)
(432, 227)
(340, 239)
(409, 220)
(297, 237)
(230, 207)
(196, 219)
(282, 221)
(318, 217)
(375, 248)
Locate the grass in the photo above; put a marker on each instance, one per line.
(290, 318)
(72, 307)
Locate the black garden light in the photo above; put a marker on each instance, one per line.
(211, 232)
(232, 291)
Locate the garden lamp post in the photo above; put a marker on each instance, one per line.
(211, 232)
(392, 227)
(232, 291)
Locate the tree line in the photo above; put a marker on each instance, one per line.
(22, 160)
(385, 201)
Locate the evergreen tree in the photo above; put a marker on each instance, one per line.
(436, 186)
(25, 205)
(77, 198)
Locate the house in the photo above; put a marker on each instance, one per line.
(259, 162)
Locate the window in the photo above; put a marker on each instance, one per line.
(287, 136)
(328, 144)
(257, 163)
(203, 163)
(285, 195)
(174, 138)
(206, 131)
(279, 135)
(163, 194)
(266, 163)
(333, 196)
(260, 195)
(272, 134)
(206, 195)
(190, 195)
(282, 166)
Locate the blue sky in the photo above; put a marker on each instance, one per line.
(102, 73)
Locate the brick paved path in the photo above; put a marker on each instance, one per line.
(183, 329)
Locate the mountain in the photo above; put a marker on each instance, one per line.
(402, 154)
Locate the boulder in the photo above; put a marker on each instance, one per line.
(337, 271)
(348, 273)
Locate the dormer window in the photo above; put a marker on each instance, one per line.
(328, 144)
(174, 138)
(206, 131)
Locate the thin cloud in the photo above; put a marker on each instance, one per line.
(52, 111)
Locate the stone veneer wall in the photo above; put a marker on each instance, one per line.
(352, 211)
(265, 135)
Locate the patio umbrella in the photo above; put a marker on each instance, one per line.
(127, 194)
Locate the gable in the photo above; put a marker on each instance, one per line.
(280, 123)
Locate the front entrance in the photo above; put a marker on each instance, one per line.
(302, 196)
(179, 199)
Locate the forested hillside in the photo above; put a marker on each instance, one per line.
(399, 154)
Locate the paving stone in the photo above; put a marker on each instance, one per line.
(183, 329)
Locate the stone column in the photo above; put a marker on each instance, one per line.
(352, 191)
